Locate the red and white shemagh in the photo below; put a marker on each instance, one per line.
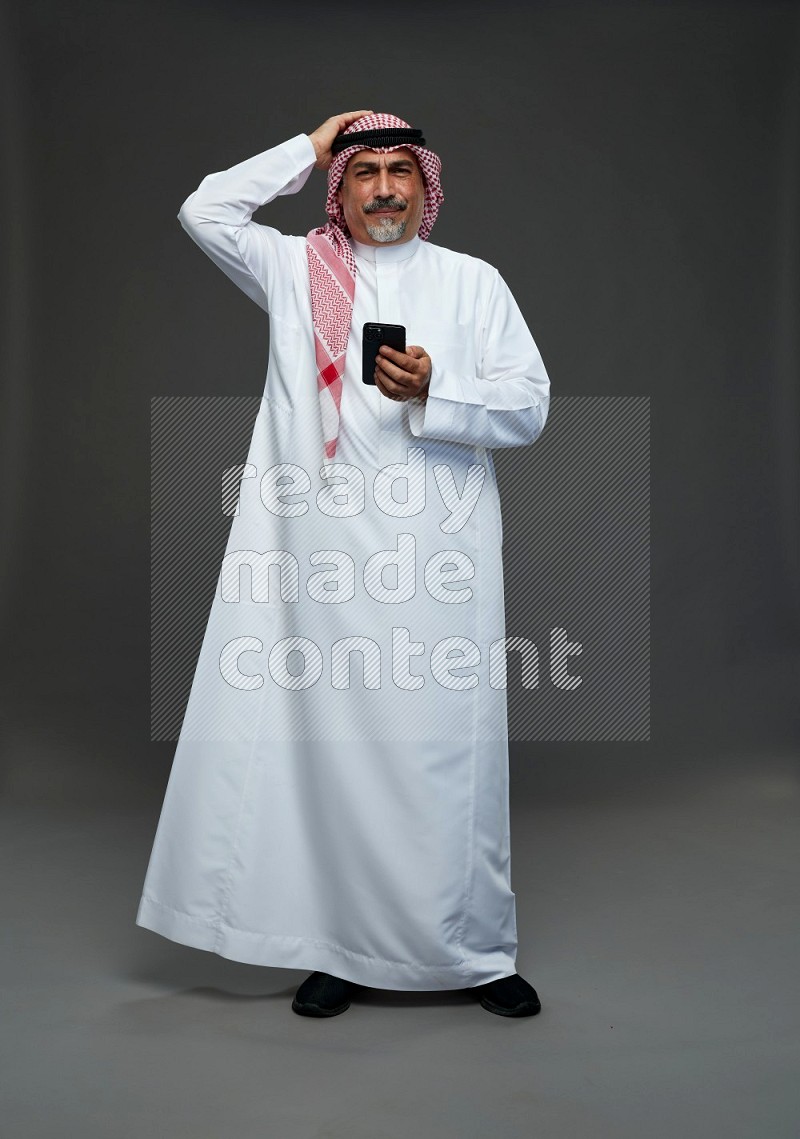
(332, 268)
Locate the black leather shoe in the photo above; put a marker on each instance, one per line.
(322, 994)
(509, 996)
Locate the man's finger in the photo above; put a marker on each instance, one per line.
(388, 387)
(351, 116)
(387, 350)
(396, 371)
(402, 359)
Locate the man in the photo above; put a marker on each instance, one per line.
(355, 822)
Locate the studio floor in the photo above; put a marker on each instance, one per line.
(656, 906)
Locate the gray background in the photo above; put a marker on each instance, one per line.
(632, 171)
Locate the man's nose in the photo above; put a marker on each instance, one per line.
(384, 189)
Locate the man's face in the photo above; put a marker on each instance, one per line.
(382, 196)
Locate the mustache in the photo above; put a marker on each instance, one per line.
(385, 204)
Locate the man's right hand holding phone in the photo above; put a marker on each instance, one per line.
(403, 375)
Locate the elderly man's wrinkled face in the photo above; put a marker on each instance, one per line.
(382, 196)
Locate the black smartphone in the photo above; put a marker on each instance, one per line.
(373, 336)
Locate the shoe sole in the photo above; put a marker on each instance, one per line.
(526, 1009)
(318, 1010)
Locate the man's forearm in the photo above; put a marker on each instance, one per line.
(230, 197)
(218, 215)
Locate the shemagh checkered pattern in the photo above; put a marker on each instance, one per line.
(332, 268)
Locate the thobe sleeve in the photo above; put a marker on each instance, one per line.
(505, 403)
(217, 216)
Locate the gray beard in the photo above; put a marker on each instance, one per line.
(387, 229)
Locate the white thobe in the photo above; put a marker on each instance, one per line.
(349, 813)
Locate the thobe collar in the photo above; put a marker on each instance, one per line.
(384, 254)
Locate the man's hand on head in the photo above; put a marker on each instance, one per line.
(323, 136)
(403, 375)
